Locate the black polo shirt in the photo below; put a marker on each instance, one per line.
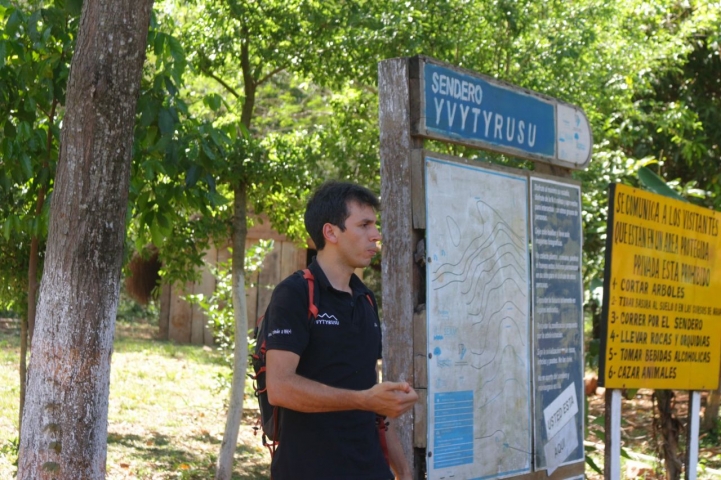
(339, 348)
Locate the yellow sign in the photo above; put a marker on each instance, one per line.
(662, 293)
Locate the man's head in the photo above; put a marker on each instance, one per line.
(329, 204)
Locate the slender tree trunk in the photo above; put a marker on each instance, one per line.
(224, 468)
(240, 358)
(64, 430)
(670, 428)
(710, 413)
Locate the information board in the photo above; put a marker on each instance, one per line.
(557, 323)
(479, 385)
(662, 303)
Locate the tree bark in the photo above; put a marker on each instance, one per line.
(28, 323)
(224, 468)
(64, 428)
(670, 428)
(710, 413)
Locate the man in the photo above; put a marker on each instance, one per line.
(322, 372)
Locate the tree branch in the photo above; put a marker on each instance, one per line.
(271, 74)
(223, 83)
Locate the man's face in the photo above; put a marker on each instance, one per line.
(359, 242)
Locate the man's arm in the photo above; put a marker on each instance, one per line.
(399, 464)
(288, 389)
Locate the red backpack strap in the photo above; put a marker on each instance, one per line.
(382, 428)
(370, 300)
(312, 307)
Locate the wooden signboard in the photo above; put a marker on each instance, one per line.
(460, 281)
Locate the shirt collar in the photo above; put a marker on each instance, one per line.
(356, 284)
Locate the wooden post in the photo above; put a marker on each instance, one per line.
(403, 126)
(401, 279)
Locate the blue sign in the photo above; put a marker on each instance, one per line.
(480, 111)
(453, 429)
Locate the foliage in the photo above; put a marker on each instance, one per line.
(36, 45)
(175, 202)
(216, 306)
(130, 311)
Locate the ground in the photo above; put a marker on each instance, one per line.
(167, 415)
(639, 439)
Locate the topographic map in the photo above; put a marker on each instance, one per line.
(479, 380)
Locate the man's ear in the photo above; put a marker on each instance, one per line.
(330, 233)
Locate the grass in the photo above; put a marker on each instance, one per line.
(166, 413)
(9, 394)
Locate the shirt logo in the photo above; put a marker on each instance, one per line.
(325, 319)
(280, 331)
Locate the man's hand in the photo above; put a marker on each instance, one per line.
(391, 399)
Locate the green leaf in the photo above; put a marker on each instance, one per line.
(13, 23)
(33, 26)
(170, 86)
(142, 201)
(213, 101)
(656, 184)
(9, 129)
(216, 199)
(155, 234)
(151, 135)
(163, 222)
(74, 7)
(26, 165)
(211, 155)
(176, 49)
(3, 53)
(24, 131)
(593, 465)
(159, 43)
(216, 136)
(192, 176)
(148, 110)
(165, 122)
(624, 453)
(7, 228)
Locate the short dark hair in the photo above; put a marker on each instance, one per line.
(329, 204)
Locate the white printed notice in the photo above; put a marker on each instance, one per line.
(479, 381)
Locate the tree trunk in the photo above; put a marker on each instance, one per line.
(28, 323)
(64, 429)
(224, 468)
(710, 413)
(670, 428)
(240, 350)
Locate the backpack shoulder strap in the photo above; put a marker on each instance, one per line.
(310, 280)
